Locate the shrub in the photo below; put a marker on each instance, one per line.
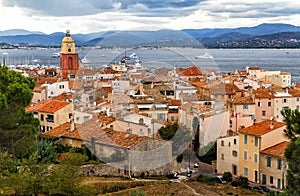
(206, 179)
(137, 192)
(227, 176)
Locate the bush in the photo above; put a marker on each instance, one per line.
(241, 182)
(206, 179)
(179, 158)
(137, 192)
(227, 176)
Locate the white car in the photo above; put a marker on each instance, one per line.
(196, 165)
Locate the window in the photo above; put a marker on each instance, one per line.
(245, 107)
(279, 164)
(245, 171)
(255, 158)
(245, 139)
(263, 113)
(222, 156)
(298, 99)
(268, 161)
(50, 118)
(234, 153)
(85, 119)
(264, 179)
(161, 117)
(234, 141)
(278, 183)
(245, 155)
(70, 141)
(259, 104)
(256, 141)
(269, 104)
(271, 179)
(42, 117)
(284, 100)
(172, 118)
(61, 86)
(222, 143)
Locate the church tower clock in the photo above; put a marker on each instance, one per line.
(68, 57)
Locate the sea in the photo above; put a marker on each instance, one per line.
(222, 60)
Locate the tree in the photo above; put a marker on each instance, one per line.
(17, 128)
(227, 176)
(292, 120)
(168, 132)
(292, 152)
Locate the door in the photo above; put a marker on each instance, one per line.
(278, 183)
(255, 176)
(264, 179)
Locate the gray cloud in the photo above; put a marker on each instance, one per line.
(87, 7)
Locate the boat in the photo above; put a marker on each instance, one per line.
(204, 56)
(56, 55)
(133, 56)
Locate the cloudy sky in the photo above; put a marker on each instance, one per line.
(85, 16)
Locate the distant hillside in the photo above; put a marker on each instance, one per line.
(264, 35)
(277, 40)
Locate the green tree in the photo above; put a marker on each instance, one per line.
(227, 176)
(292, 152)
(167, 132)
(17, 128)
(46, 151)
(292, 120)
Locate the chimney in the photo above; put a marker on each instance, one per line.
(271, 126)
(72, 125)
(141, 121)
(128, 131)
(111, 129)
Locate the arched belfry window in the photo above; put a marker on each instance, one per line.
(70, 63)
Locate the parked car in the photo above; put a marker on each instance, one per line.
(221, 180)
(196, 165)
(265, 189)
(172, 176)
(261, 189)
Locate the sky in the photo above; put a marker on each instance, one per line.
(87, 16)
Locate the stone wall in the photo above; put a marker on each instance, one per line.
(114, 170)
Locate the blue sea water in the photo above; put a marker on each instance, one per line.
(222, 60)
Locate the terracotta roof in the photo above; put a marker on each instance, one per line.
(228, 89)
(63, 131)
(294, 92)
(199, 84)
(120, 139)
(107, 89)
(191, 71)
(47, 80)
(263, 94)
(64, 96)
(285, 73)
(174, 102)
(262, 128)
(39, 88)
(253, 68)
(242, 100)
(49, 106)
(277, 150)
(199, 108)
(92, 129)
(75, 84)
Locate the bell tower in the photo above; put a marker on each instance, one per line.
(68, 57)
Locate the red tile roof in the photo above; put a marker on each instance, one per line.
(49, 106)
(242, 101)
(262, 128)
(91, 129)
(277, 150)
(191, 71)
(47, 80)
(263, 94)
(174, 102)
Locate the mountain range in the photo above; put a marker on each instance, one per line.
(276, 35)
